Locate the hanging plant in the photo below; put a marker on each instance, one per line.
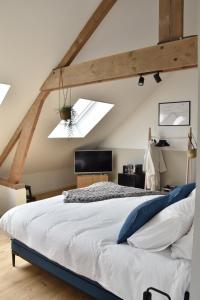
(67, 113)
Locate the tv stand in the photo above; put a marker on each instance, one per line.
(88, 179)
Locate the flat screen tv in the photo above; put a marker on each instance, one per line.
(93, 161)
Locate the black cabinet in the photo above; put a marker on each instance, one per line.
(134, 180)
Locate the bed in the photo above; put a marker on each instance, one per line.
(77, 243)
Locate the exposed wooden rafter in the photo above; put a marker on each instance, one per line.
(170, 20)
(26, 135)
(176, 55)
(11, 144)
(15, 137)
(25, 131)
(94, 21)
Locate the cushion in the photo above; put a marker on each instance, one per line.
(147, 210)
(166, 227)
(183, 247)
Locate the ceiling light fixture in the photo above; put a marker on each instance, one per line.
(141, 80)
(157, 77)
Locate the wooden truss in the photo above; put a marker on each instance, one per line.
(176, 55)
(25, 131)
(173, 52)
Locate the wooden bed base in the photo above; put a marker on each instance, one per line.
(82, 283)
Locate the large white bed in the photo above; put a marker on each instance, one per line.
(82, 238)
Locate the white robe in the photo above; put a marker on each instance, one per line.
(153, 165)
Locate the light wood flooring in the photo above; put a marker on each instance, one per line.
(27, 282)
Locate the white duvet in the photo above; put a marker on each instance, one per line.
(82, 238)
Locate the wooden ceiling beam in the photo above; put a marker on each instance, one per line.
(170, 20)
(25, 130)
(15, 137)
(92, 24)
(6, 151)
(176, 55)
(28, 129)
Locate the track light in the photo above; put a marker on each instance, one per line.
(141, 81)
(157, 77)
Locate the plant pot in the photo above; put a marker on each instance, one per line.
(65, 113)
(192, 153)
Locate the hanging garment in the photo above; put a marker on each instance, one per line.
(153, 165)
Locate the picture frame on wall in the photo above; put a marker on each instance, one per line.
(174, 113)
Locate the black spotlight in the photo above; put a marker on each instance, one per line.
(157, 77)
(141, 81)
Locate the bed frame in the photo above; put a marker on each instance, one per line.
(82, 283)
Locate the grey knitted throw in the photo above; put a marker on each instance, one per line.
(103, 191)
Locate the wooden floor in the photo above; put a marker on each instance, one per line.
(27, 282)
(53, 193)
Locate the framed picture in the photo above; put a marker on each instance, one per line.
(174, 113)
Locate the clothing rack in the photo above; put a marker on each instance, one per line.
(151, 137)
(190, 146)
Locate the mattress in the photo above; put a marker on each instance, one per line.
(82, 238)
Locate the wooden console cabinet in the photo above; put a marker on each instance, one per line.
(85, 180)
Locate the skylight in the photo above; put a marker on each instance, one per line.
(3, 91)
(88, 114)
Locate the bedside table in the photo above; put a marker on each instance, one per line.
(134, 180)
(168, 188)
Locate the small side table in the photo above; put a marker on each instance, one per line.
(134, 180)
(168, 188)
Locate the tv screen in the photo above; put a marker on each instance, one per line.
(93, 161)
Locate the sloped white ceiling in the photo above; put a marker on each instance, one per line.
(34, 35)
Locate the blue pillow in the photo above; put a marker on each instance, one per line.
(147, 210)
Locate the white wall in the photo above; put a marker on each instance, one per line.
(50, 180)
(41, 32)
(132, 134)
(130, 139)
(195, 286)
(10, 198)
(175, 160)
(178, 86)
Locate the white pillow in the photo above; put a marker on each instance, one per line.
(183, 247)
(166, 227)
